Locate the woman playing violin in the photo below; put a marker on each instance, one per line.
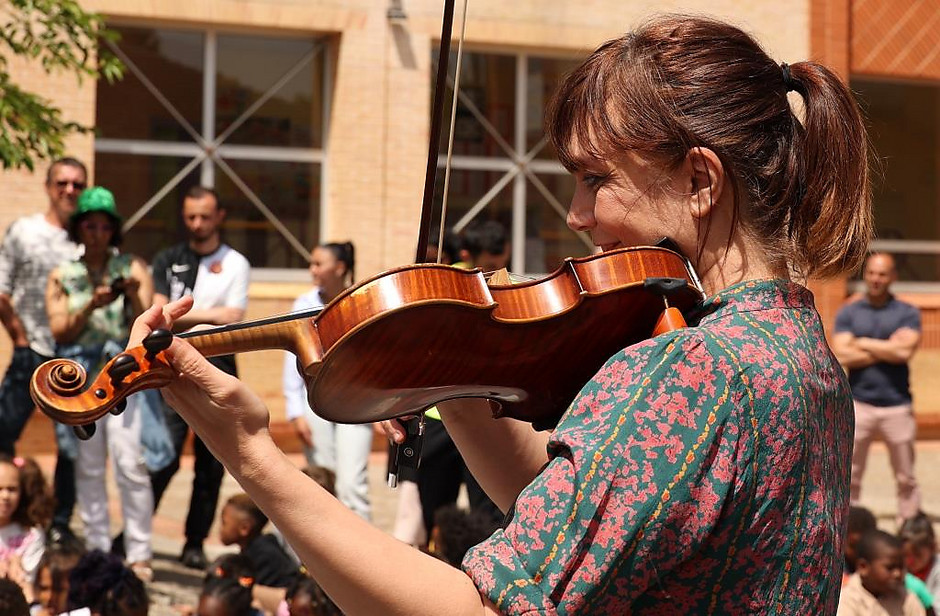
(705, 470)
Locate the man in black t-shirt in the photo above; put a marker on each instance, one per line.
(875, 338)
(216, 276)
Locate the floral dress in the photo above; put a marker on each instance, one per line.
(704, 471)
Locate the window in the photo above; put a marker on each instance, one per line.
(243, 114)
(904, 125)
(503, 167)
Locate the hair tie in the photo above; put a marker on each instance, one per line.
(246, 582)
(18, 462)
(787, 77)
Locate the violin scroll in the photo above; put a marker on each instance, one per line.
(60, 387)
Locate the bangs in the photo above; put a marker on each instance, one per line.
(579, 122)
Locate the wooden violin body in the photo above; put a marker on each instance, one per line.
(412, 337)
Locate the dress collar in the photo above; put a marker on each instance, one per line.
(752, 295)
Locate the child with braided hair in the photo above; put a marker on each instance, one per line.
(101, 585)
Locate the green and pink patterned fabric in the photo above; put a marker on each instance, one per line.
(705, 471)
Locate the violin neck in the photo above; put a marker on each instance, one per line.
(294, 332)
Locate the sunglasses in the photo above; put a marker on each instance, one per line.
(92, 227)
(60, 184)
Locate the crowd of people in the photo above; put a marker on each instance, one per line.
(69, 291)
(707, 469)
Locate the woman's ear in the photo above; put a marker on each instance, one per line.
(707, 180)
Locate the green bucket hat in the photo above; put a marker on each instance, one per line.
(97, 199)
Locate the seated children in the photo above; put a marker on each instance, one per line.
(920, 552)
(25, 510)
(224, 597)
(877, 586)
(860, 521)
(102, 583)
(12, 600)
(457, 530)
(306, 598)
(52, 577)
(241, 523)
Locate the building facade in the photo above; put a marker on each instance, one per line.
(311, 118)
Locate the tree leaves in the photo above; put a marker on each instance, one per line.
(61, 36)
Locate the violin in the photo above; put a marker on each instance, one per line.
(414, 336)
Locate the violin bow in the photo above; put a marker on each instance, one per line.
(437, 113)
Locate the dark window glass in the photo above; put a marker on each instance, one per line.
(172, 60)
(548, 238)
(544, 75)
(293, 188)
(247, 68)
(489, 83)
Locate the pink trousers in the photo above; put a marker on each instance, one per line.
(896, 426)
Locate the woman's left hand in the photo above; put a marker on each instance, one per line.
(221, 409)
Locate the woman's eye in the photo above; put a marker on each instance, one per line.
(593, 181)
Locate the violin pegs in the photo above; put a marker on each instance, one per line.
(122, 366)
(84, 432)
(157, 340)
(119, 407)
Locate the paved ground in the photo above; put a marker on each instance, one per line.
(174, 584)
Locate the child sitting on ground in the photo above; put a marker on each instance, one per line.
(457, 530)
(12, 600)
(101, 585)
(25, 510)
(306, 598)
(241, 523)
(52, 577)
(920, 552)
(223, 596)
(877, 586)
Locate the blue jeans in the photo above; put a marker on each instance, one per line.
(16, 405)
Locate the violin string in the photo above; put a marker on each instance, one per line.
(450, 136)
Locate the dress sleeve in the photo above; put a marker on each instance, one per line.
(640, 468)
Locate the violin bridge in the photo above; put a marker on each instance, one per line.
(500, 277)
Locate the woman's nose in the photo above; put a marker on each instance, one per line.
(580, 213)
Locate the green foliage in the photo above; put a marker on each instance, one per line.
(61, 36)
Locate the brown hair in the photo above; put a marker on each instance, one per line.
(681, 82)
(36, 501)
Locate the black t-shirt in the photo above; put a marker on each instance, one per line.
(273, 567)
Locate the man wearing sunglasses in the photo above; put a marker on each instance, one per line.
(32, 247)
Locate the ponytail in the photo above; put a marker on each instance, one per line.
(345, 253)
(831, 220)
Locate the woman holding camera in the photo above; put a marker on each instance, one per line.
(91, 303)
